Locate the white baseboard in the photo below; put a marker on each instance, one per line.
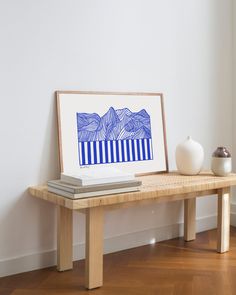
(111, 244)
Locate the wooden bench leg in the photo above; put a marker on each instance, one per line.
(94, 248)
(223, 224)
(64, 238)
(190, 219)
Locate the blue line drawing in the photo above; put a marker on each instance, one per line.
(117, 136)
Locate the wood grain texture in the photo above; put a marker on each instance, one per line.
(164, 132)
(94, 248)
(190, 219)
(109, 93)
(59, 131)
(160, 187)
(64, 238)
(223, 220)
(171, 267)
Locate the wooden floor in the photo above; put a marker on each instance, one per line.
(166, 268)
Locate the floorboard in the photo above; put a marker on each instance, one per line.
(173, 267)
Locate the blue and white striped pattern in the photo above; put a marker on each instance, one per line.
(115, 151)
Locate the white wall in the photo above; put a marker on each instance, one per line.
(181, 48)
(234, 96)
(233, 203)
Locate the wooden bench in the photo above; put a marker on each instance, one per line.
(157, 188)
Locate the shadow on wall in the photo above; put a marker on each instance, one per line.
(50, 152)
(143, 217)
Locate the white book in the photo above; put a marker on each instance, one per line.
(93, 176)
(92, 194)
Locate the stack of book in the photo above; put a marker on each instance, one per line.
(93, 183)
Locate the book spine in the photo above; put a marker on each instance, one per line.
(71, 180)
(105, 180)
(95, 181)
(85, 189)
(92, 194)
(64, 188)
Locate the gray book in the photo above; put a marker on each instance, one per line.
(75, 189)
(93, 193)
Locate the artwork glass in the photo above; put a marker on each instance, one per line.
(124, 130)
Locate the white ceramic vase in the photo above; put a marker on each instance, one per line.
(189, 157)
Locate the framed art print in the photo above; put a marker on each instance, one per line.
(123, 130)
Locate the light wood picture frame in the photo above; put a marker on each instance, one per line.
(125, 130)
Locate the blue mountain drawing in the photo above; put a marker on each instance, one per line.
(120, 124)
